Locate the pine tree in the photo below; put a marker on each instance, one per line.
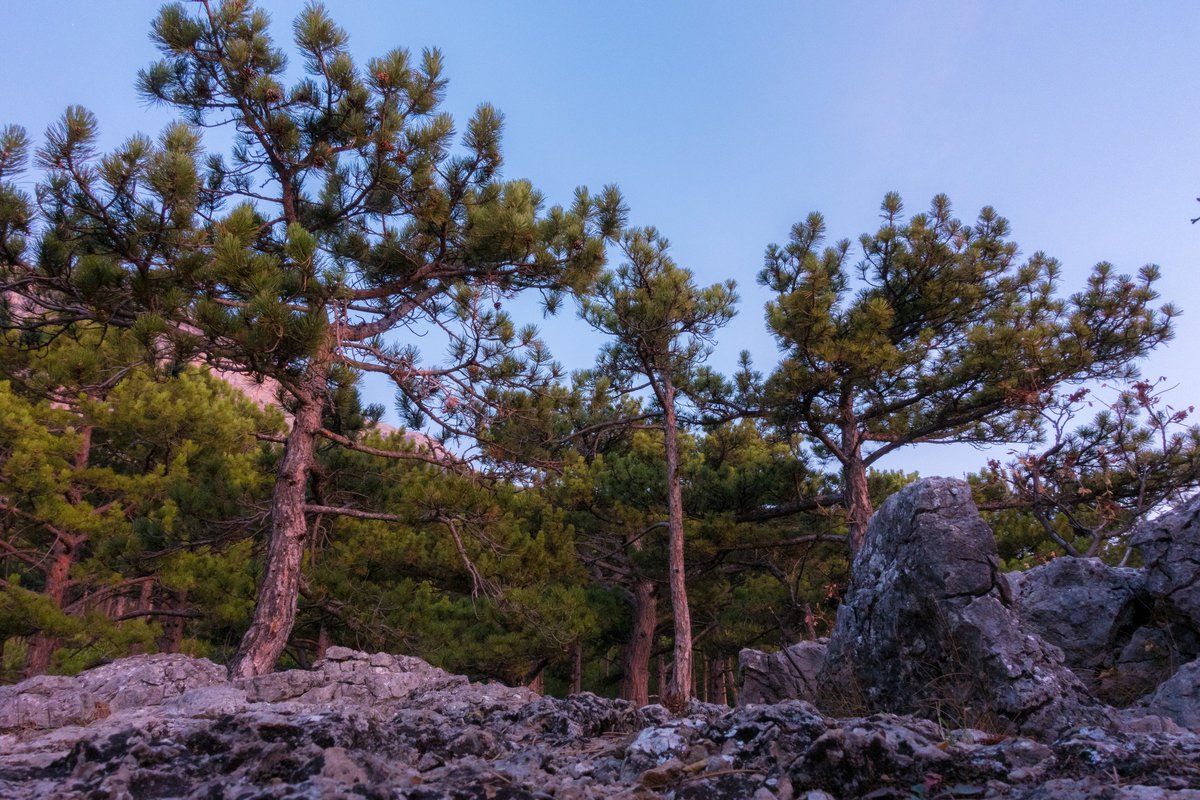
(1083, 490)
(662, 326)
(346, 211)
(120, 491)
(945, 336)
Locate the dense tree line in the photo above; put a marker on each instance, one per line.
(626, 529)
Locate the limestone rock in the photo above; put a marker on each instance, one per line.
(1178, 698)
(1169, 546)
(788, 674)
(1082, 606)
(49, 701)
(448, 738)
(928, 624)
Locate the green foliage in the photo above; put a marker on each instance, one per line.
(1083, 492)
(116, 485)
(942, 335)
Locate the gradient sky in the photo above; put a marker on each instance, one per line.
(725, 123)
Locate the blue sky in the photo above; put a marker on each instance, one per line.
(725, 123)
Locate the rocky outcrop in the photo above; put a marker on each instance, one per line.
(377, 726)
(789, 674)
(1082, 606)
(1170, 550)
(50, 701)
(1178, 698)
(928, 625)
(1117, 636)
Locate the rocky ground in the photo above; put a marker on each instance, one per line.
(1065, 682)
(379, 726)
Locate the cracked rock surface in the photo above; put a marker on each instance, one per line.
(378, 726)
(928, 622)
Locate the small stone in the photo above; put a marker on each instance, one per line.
(340, 767)
(337, 653)
(666, 773)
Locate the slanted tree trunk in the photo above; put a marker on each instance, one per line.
(279, 590)
(679, 691)
(635, 682)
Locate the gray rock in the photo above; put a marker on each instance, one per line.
(1178, 698)
(927, 625)
(1169, 546)
(1082, 606)
(1150, 656)
(149, 680)
(449, 738)
(347, 676)
(48, 701)
(788, 674)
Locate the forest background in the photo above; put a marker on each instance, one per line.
(1080, 139)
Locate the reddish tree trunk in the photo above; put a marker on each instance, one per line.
(857, 491)
(171, 639)
(58, 578)
(323, 641)
(279, 590)
(577, 668)
(679, 691)
(62, 558)
(635, 683)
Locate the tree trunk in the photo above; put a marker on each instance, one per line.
(62, 558)
(577, 668)
(279, 591)
(858, 496)
(680, 689)
(323, 642)
(635, 683)
(58, 577)
(661, 685)
(716, 691)
(171, 639)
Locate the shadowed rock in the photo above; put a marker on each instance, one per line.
(381, 726)
(1082, 606)
(928, 626)
(788, 674)
(1170, 549)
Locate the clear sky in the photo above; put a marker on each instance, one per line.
(724, 123)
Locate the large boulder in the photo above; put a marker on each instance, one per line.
(1104, 621)
(1082, 606)
(789, 674)
(928, 625)
(1178, 698)
(1169, 546)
